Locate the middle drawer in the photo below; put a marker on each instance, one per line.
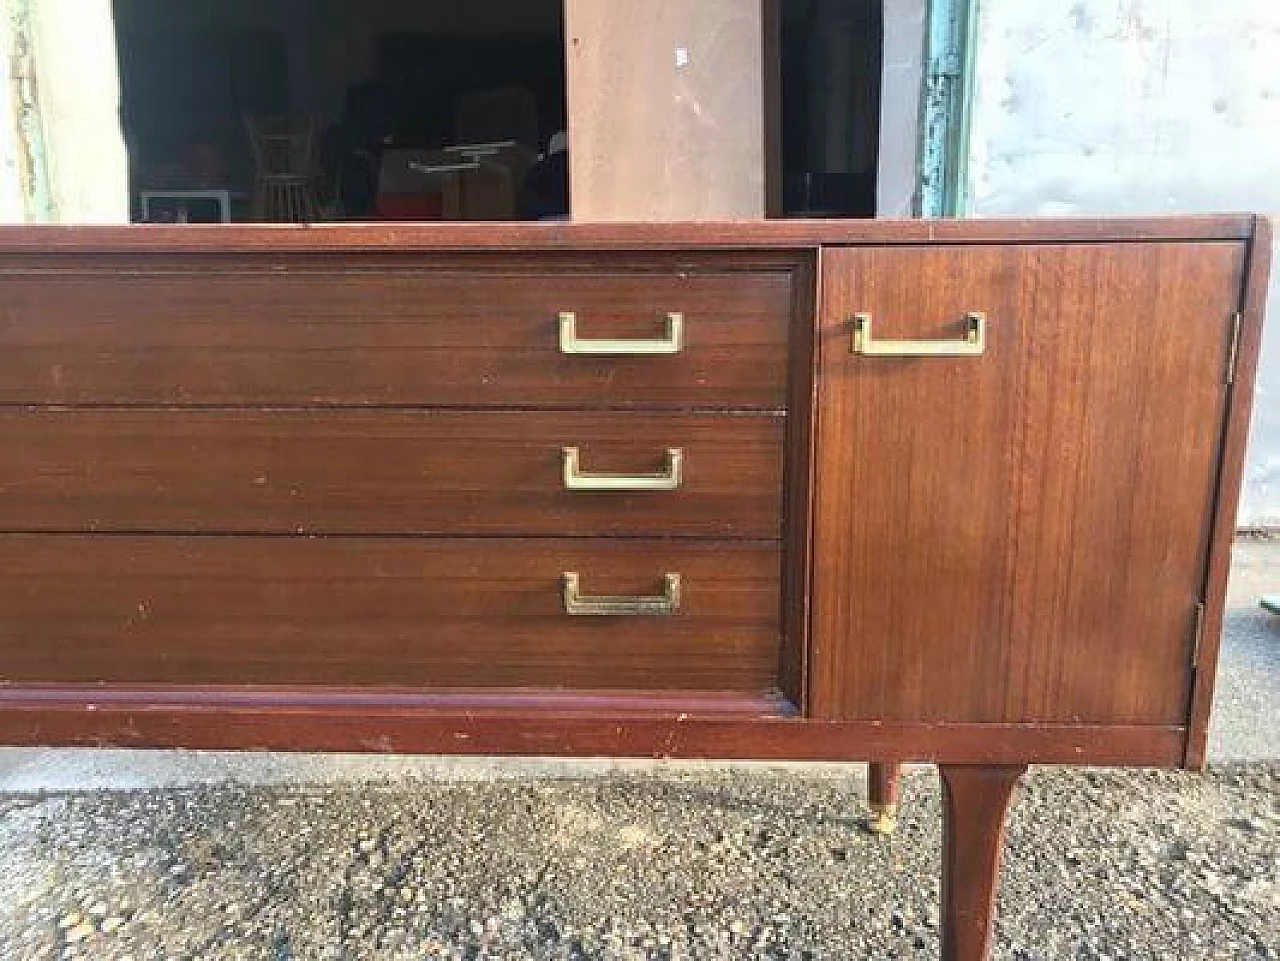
(391, 472)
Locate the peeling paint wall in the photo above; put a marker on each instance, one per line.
(26, 189)
(64, 159)
(1136, 107)
(11, 203)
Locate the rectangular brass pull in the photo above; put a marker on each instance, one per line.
(973, 344)
(671, 343)
(666, 480)
(655, 605)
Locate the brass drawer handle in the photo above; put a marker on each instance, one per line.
(667, 480)
(671, 343)
(658, 605)
(973, 344)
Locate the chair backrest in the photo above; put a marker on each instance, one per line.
(280, 149)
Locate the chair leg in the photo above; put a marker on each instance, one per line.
(974, 802)
(882, 796)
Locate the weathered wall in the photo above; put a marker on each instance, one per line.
(1133, 107)
(12, 202)
(691, 148)
(64, 158)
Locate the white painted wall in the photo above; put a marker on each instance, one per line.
(1135, 107)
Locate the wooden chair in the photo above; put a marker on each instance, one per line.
(284, 160)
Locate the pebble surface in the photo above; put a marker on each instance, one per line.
(719, 864)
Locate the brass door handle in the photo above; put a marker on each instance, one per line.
(666, 480)
(671, 343)
(652, 605)
(973, 344)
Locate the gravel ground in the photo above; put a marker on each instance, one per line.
(711, 864)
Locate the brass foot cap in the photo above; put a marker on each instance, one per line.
(883, 819)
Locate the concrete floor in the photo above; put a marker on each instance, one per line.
(1244, 726)
(1246, 710)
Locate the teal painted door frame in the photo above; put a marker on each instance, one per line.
(946, 95)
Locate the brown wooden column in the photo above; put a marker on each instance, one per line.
(974, 801)
(666, 108)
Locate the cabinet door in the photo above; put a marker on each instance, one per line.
(1017, 535)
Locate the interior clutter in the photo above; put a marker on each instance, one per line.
(832, 59)
(420, 110)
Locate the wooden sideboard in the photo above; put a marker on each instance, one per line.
(959, 492)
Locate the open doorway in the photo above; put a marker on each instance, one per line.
(420, 110)
(347, 110)
(832, 55)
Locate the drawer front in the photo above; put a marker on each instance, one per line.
(351, 471)
(485, 336)
(410, 613)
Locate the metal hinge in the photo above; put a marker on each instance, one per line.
(1197, 633)
(1234, 352)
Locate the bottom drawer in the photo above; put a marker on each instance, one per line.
(388, 612)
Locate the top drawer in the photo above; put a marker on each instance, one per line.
(140, 330)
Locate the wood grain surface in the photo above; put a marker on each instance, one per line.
(138, 333)
(390, 612)
(582, 724)
(1019, 536)
(347, 240)
(1006, 551)
(1253, 302)
(399, 472)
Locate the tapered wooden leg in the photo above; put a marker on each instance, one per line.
(974, 801)
(882, 796)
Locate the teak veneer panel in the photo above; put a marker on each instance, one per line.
(983, 561)
(549, 238)
(1020, 536)
(133, 320)
(398, 472)
(383, 612)
(190, 334)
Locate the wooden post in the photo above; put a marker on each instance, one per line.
(666, 107)
(974, 801)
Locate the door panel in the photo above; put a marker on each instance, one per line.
(1018, 536)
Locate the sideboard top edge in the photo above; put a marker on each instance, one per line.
(507, 236)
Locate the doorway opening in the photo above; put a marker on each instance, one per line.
(419, 110)
(343, 110)
(832, 57)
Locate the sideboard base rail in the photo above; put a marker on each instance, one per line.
(42, 718)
